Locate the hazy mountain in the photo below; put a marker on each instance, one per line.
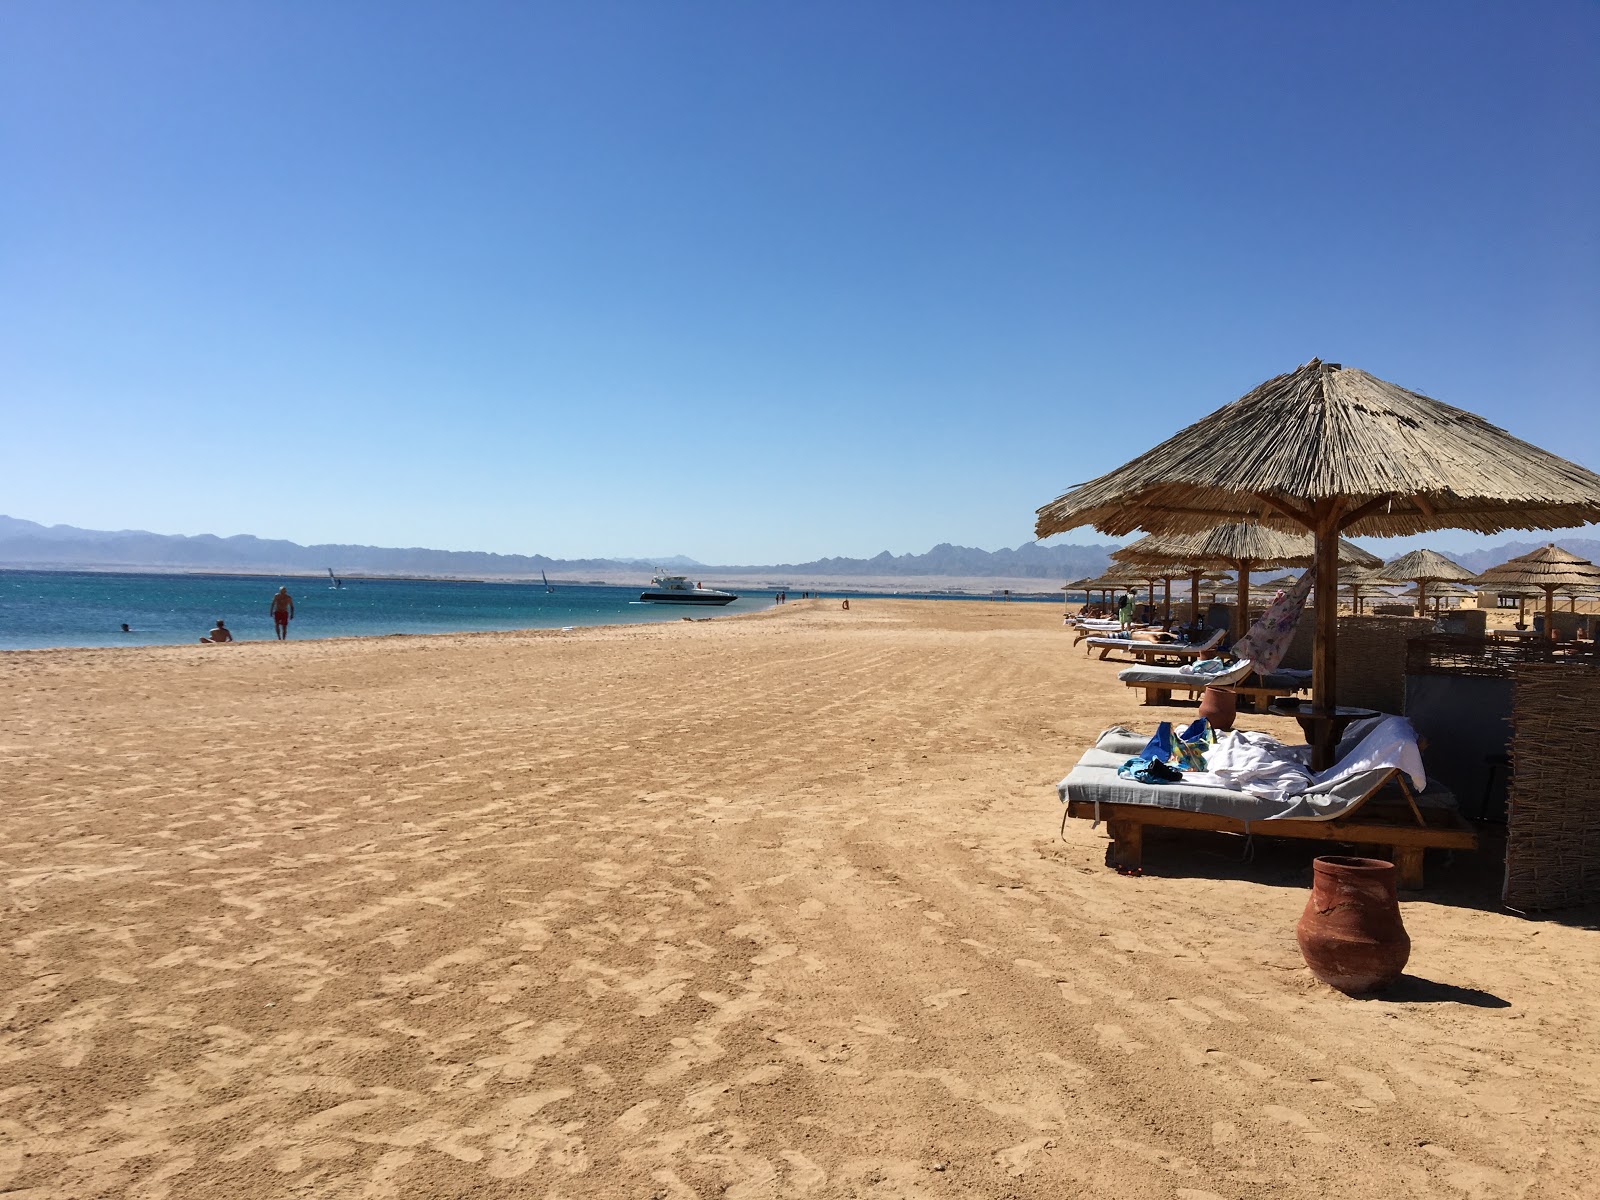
(27, 543)
(1028, 561)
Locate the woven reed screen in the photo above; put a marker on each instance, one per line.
(1372, 660)
(1553, 827)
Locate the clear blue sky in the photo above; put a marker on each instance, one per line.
(756, 282)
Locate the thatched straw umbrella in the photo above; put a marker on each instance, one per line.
(1422, 567)
(1357, 580)
(1548, 568)
(1330, 451)
(1241, 548)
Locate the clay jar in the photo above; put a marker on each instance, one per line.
(1219, 705)
(1350, 933)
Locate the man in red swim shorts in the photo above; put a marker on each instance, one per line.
(282, 612)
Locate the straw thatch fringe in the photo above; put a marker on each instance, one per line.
(1231, 543)
(1547, 567)
(1325, 432)
(1422, 566)
(1553, 830)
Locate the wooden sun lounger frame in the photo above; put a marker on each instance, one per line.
(1406, 835)
(1147, 651)
(1256, 696)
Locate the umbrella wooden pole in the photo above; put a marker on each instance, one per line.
(1324, 655)
(1242, 606)
(1422, 598)
(1549, 614)
(1167, 596)
(1194, 598)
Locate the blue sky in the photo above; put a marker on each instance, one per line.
(756, 282)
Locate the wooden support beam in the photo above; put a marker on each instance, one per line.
(1294, 512)
(1361, 510)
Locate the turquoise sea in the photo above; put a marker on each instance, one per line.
(86, 608)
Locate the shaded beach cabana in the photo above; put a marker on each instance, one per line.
(1549, 569)
(1422, 567)
(1332, 450)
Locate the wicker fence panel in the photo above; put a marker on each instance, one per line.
(1372, 660)
(1553, 828)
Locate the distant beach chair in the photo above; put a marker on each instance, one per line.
(1155, 651)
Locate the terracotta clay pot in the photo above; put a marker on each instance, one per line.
(1219, 705)
(1350, 933)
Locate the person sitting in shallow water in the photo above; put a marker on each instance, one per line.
(219, 634)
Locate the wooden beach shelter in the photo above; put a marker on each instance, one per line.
(1422, 567)
(1240, 547)
(1549, 569)
(1331, 450)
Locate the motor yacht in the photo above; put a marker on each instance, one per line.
(676, 589)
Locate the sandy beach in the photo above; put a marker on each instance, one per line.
(766, 906)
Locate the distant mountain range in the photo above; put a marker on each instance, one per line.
(29, 544)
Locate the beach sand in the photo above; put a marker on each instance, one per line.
(765, 906)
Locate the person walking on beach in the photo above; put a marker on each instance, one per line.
(282, 612)
(1125, 610)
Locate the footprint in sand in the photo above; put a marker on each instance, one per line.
(805, 1176)
(1071, 994)
(1295, 1120)
(1188, 1011)
(1116, 1038)
(1014, 1159)
(942, 999)
(1374, 1091)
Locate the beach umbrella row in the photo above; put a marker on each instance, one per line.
(1548, 569)
(1330, 451)
(1241, 547)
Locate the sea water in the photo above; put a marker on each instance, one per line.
(87, 608)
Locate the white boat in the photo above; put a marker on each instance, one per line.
(676, 589)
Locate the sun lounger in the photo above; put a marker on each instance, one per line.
(1151, 651)
(1092, 631)
(1252, 687)
(1376, 808)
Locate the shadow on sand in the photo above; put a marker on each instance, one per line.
(1412, 989)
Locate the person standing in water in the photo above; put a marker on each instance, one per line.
(282, 612)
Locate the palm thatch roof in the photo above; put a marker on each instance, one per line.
(1548, 568)
(1423, 566)
(1231, 543)
(1393, 461)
